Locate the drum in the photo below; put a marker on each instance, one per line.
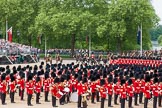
(66, 89)
(74, 97)
(59, 95)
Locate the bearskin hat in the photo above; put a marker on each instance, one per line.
(102, 82)
(37, 79)
(56, 80)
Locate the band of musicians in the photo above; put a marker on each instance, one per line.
(123, 85)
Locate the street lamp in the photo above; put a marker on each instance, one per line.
(18, 35)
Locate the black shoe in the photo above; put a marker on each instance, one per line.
(4, 104)
(116, 104)
(130, 107)
(55, 106)
(110, 106)
(93, 102)
(47, 101)
(136, 104)
(61, 103)
(38, 103)
(13, 102)
(30, 105)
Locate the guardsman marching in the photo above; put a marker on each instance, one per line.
(102, 91)
(80, 91)
(12, 86)
(123, 95)
(155, 91)
(46, 86)
(37, 89)
(136, 89)
(147, 90)
(84, 94)
(3, 89)
(130, 92)
(29, 87)
(110, 90)
(160, 90)
(93, 89)
(22, 85)
(116, 90)
(54, 91)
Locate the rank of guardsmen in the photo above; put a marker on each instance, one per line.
(122, 85)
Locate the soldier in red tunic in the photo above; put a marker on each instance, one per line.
(123, 95)
(22, 85)
(12, 85)
(160, 92)
(155, 91)
(116, 89)
(147, 90)
(46, 86)
(3, 85)
(102, 91)
(93, 89)
(110, 90)
(80, 91)
(37, 89)
(54, 91)
(29, 87)
(84, 94)
(136, 89)
(130, 92)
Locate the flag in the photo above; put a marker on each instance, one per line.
(87, 39)
(139, 36)
(39, 39)
(9, 32)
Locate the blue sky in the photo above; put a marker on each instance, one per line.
(158, 8)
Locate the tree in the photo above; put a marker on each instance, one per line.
(160, 40)
(156, 32)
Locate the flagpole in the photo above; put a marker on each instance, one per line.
(6, 30)
(141, 40)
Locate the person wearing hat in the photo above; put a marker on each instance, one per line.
(22, 85)
(12, 85)
(130, 92)
(85, 89)
(54, 91)
(37, 89)
(155, 91)
(160, 94)
(29, 86)
(102, 91)
(109, 87)
(3, 91)
(46, 84)
(123, 95)
(80, 91)
(93, 89)
(147, 90)
(136, 89)
(116, 90)
(61, 88)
